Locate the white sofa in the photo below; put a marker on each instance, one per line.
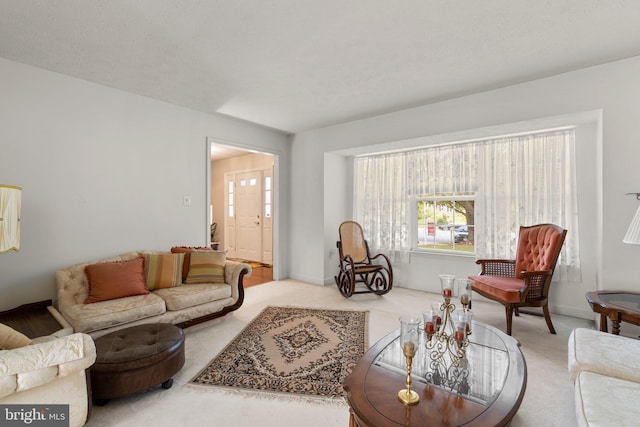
(606, 373)
(182, 305)
(50, 371)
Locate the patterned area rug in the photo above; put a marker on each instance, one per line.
(295, 352)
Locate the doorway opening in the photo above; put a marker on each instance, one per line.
(242, 217)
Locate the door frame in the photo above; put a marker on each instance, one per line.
(277, 206)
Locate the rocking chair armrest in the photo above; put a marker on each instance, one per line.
(383, 256)
(497, 267)
(347, 259)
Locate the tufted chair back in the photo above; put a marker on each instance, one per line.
(539, 247)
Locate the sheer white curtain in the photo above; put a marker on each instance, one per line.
(521, 180)
(381, 205)
(527, 180)
(442, 169)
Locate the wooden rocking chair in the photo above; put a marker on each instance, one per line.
(357, 266)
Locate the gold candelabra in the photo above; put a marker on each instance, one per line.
(446, 342)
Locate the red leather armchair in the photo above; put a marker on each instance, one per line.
(525, 281)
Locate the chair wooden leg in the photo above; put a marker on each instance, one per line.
(547, 317)
(509, 312)
(352, 283)
(516, 311)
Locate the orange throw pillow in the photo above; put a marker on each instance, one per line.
(111, 280)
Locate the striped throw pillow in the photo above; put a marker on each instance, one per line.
(186, 250)
(206, 267)
(163, 270)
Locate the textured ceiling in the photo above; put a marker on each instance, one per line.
(296, 65)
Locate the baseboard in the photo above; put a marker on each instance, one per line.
(580, 313)
(307, 279)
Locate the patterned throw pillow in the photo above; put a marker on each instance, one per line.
(206, 267)
(163, 270)
(111, 280)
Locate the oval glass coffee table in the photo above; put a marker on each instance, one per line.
(495, 385)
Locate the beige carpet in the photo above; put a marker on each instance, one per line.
(290, 352)
(548, 400)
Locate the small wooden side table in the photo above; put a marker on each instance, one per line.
(34, 319)
(619, 306)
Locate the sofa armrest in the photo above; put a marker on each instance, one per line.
(35, 365)
(234, 273)
(605, 354)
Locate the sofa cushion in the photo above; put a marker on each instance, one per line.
(112, 280)
(206, 267)
(163, 270)
(186, 250)
(602, 353)
(101, 315)
(192, 295)
(10, 338)
(603, 401)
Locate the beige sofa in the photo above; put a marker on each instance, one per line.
(184, 305)
(606, 373)
(50, 371)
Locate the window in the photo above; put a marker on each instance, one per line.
(446, 222)
(267, 197)
(480, 191)
(230, 201)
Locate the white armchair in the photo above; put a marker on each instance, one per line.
(49, 372)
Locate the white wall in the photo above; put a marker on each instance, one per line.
(338, 184)
(613, 88)
(103, 172)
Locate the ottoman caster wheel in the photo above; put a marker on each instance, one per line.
(101, 402)
(167, 384)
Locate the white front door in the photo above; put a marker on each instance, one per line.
(248, 213)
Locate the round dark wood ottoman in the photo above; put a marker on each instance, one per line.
(136, 359)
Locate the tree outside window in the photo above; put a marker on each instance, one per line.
(446, 222)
